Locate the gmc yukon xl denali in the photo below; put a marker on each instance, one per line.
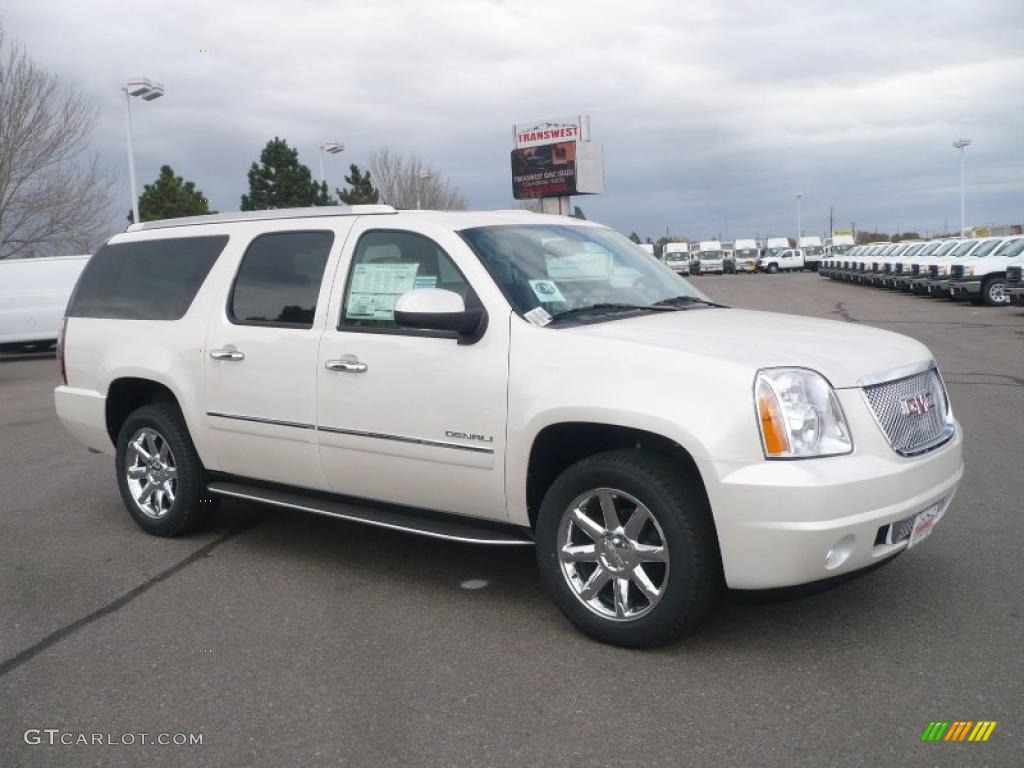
(504, 378)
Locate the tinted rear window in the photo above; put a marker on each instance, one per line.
(145, 280)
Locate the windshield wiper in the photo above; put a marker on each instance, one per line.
(606, 307)
(674, 301)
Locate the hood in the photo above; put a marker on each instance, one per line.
(843, 352)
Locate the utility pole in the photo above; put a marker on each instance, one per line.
(830, 221)
(962, 144)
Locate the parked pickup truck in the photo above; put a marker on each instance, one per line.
(504, 378)
(1015, 285)
(785, 260)
(983, 279)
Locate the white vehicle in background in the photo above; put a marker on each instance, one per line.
(813, 250)
(33, 296)
(728, 258)
(647, 248)
(840, 245)
(773, 247)
(746, 252)
(939, 270)
(711, 258)
(982, 279)
(677, 257)
(786, 260)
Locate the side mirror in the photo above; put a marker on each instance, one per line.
(434, 309)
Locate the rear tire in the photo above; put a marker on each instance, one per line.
(159, 473)
(658, 577)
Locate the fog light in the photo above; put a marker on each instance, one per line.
(839, 551)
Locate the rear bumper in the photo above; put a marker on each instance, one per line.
(83, 413)
(778, 520)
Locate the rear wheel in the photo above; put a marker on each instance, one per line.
(626, 547)
(161, 479)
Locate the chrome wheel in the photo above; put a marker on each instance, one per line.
(613, 554)
(151, 472)
(997, 293)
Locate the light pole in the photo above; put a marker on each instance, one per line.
(328, 146)
(799, 229)
(147, 90)
(962, 144)
(424, 176)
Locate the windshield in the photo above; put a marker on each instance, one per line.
(839, 250)
(812, 250)
(564, 267)
(1010, 248)
(946, 248)
(711, 255)
(677, 256)
(963, 248)
(985, 248)
(747, 252)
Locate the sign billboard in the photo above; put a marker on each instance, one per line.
(557, 170)
(547, 132)
(842, 233)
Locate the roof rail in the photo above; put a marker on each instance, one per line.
(277, 213)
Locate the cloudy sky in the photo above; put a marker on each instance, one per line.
(712, 115)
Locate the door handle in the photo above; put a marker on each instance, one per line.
(227, 354)
(346, 364)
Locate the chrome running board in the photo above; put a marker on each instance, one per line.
(448, 527)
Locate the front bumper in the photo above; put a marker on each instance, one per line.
(777, 520)
(939, 287)
(968, 288)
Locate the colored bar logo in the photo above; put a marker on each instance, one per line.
(958, 730)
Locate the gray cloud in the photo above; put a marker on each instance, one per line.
(711, 113)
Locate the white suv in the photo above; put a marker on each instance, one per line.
(504, 378)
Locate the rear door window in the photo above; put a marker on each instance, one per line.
(145, 279)
(279, 279)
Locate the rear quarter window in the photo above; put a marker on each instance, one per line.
(145, 280)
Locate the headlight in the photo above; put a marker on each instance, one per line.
(970, 271)
(943, 270)
(799, 414)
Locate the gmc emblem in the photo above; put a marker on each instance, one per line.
(918, 404)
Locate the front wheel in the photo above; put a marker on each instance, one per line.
(773, 268)
(993, 292)
(626, 547)
(159, 473)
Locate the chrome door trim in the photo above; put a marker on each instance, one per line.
(260, 420)
(404, 439)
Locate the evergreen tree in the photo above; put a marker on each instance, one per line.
(279, 180)
(634, 237)
(361, 189)
(170, 197)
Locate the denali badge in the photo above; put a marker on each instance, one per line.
(469, 436)
(918, 404)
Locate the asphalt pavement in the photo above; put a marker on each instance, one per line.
(288, 640)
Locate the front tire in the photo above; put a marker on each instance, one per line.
(773, 268)
(161, 479)
(626, 547)
(993, 292)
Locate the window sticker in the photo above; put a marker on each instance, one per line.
(426, 281)
(376, 287)
(586, 265)
(537, 316)
(546, 291)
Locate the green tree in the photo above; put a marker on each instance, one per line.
(634, 237)
(361, 190)
(170, 197)
(279, 180)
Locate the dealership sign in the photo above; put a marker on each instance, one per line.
(547, 132)
(557, 170)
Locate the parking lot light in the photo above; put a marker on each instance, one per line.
(962, 143)
(147, 90)
(329, 146)
(799, 230)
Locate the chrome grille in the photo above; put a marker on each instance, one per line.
(957, 270)
(902, 409)
(899, 268)
(1015, 275)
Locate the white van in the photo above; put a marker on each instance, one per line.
(33, 296)
(711, 258)
(746, 253)
(813, 250)
(677, 257)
